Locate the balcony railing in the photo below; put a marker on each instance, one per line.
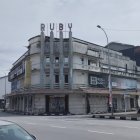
(120, 73)
(86, 67)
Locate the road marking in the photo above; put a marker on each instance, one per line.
(131, 127)
(57, 126)
(101, 132)
(31, 123)
(114, 125)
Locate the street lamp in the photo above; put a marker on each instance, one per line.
(5, 92)
(109, 76)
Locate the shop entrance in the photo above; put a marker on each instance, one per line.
(56, 104)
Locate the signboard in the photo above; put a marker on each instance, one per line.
(97, 81)
(123, 83)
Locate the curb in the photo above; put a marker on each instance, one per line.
(117, 117)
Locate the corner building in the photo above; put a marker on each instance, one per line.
(69, 75)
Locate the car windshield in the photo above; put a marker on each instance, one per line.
(13, 132)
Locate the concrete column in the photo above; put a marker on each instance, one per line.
(27, 110)
(17, 103)
(12, 103)
(23, 105)
(51, 60)
(42, 60)
(70, 60)
(61, 61)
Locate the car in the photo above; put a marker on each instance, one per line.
(12, 131)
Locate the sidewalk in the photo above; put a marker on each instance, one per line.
(119, 116)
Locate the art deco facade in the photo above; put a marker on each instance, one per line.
(69, 75)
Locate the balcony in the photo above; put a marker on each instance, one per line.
(93, 53)
(131, 73)
(86, 67)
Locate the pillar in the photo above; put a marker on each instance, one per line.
(61, 61)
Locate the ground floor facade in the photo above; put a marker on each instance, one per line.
(1, 103)
(69, 103)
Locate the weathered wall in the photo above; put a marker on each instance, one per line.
(77, 104)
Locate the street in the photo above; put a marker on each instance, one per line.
(76, 127)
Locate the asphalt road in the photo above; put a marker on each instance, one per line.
(76, 127)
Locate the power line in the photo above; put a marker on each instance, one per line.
(122, 30)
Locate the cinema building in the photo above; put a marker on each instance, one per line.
(59, 75)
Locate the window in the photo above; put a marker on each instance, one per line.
(92, 63)
(126, 67)
(89, 62)
(66, 60)
(82, 60)
(93, 80)
(132, 102)
(56, 78)
(114, 100)
(66, 79)
(56, 59)
(47, 60)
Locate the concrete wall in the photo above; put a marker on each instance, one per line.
(35, 48)
(117, 59)
(35, 78)
(34, 40)
(39, 104)
(77, 104)
(35, 61)
(78, 47)
(80, 79)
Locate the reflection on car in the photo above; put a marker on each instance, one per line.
(12, 131)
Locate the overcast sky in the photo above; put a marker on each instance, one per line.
(20, 20)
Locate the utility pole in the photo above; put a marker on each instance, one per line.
(109, 75)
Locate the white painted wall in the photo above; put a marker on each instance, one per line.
(80, 79)
(34, 48)
(2, 86)
(117, 59)
(35, 78)
(35, 61)
(34, 40)
(79, 47)
(39, 103)
(77, 104)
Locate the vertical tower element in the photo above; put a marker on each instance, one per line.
(42, 60)
(61, 57)
(70, 56)
(51, 57)
(27, 80)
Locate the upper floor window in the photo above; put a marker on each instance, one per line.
(56, 59)
(66, 60)
(66, 79)
(82, 60)
(56, 78)
(47, 60)
(92, 63)
(89, 62)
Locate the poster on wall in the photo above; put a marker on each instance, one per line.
(97, 81)
(101, 81)
(122, 83)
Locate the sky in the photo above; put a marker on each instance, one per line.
(21, 19)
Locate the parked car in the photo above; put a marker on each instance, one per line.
(12, 131)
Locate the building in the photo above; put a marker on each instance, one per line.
(131, 51)
(5, 88)
(69, 75)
